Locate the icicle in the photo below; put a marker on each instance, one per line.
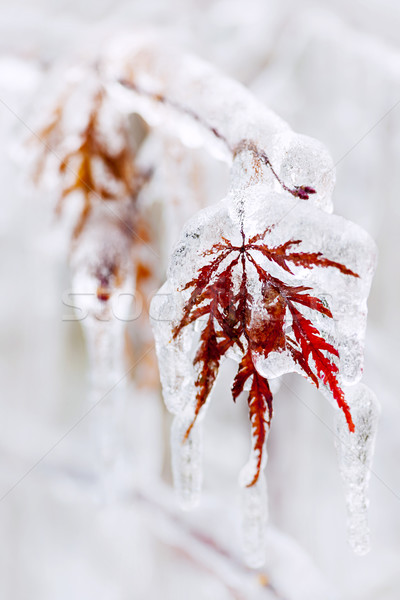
(187, 460)
(106, 310)
(355, 451)
(254, 522)
(105, 348)
(176, 372)
(254, 511)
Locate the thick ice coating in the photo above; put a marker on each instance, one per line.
(188, 98)
(278, 284)
(184, 94)
(267, 277)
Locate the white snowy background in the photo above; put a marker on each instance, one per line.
(332, 71)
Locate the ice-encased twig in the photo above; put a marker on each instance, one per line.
(203, 101)
(355, 451)
(190, 99)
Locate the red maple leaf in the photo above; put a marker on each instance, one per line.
(220, 292)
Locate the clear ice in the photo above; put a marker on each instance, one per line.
(185, 97)
(254, 515)
(200, 104)
(104, 324)
(355, 452)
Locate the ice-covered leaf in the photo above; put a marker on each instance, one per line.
(85, 146)
(223, 292)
